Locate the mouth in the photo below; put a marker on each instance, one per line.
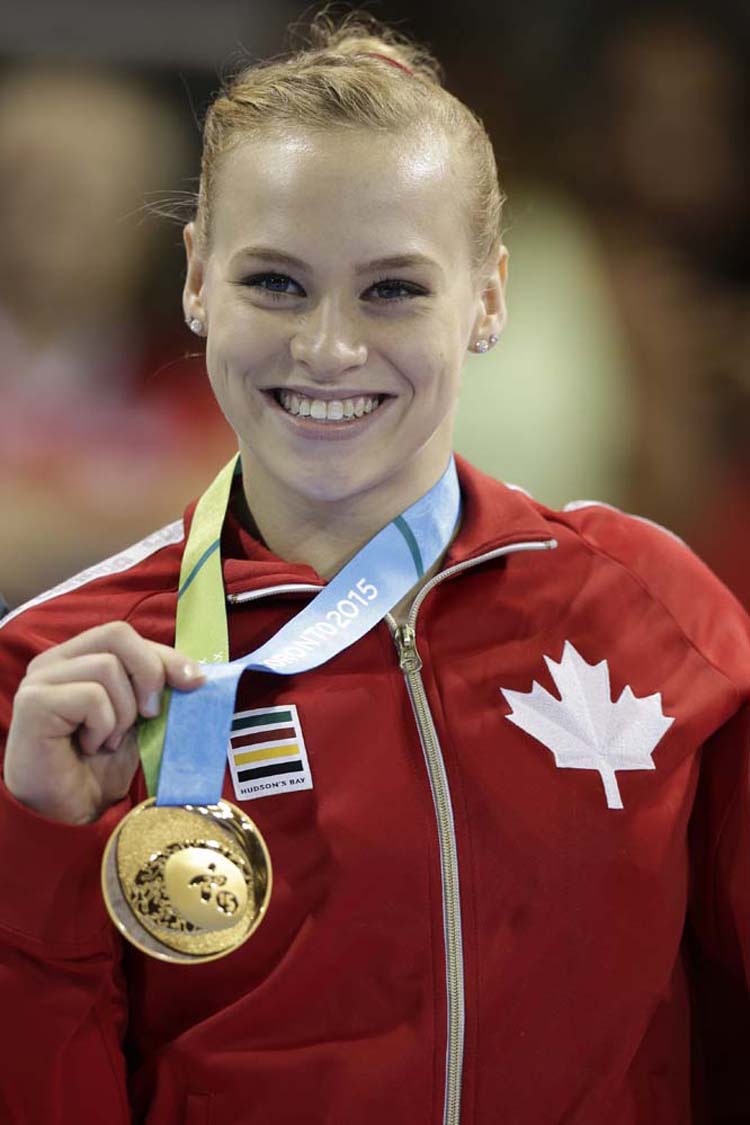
(346, 411)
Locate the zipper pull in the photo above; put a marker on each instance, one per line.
(408, 658)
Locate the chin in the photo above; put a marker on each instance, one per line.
(329, 486)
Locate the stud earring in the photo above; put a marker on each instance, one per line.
(493, 340)
(481, 346)
(195, 325)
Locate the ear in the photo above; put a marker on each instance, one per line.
(192, 293)
(492, 310)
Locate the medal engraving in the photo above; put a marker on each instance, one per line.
(186, 884)
(206, 887)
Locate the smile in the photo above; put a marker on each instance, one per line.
(334, 410)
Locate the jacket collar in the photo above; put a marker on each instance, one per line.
(493, 515)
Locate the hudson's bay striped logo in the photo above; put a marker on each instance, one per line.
(267, 753)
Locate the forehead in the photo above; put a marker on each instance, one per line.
(342, 191)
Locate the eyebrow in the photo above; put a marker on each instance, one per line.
(392, 261)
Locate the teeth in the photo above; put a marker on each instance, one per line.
(321, 411)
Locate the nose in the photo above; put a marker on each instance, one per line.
(327, 342)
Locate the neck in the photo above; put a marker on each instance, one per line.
(326, 533)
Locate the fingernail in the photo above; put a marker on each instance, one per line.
(192, 671)
(112, 744)
(151, 705)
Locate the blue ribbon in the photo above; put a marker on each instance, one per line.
(353, 602)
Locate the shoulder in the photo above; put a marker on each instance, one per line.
(110, 590)
(669, 574)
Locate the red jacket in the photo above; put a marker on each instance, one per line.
(598, 958)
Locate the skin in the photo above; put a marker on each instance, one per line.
(71, 750)
(337, 202)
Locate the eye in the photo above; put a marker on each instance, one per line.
(394, 289)
(277, 285)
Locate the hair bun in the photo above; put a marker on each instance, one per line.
(360, 33)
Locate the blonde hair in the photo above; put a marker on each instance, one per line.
(358, 74)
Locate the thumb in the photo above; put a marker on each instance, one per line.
(184, 673)
(181, 671)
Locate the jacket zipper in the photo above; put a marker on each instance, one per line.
(410, 663)
(287, 588)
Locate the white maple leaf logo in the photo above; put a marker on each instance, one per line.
(585, 729)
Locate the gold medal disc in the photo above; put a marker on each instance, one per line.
(186, 883)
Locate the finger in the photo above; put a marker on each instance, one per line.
(101, 667)
(175, 670)
(180, 671)
(49, 714)
(114, 770)
(148, 664)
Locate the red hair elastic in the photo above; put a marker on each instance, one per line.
(388, 59)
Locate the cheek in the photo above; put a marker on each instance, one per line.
(435, 372)
(239, 349)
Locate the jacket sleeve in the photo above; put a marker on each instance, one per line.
(717, 935)
(718, 929)
(62, 996)
(61, 987)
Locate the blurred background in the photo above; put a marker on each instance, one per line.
(621, 131)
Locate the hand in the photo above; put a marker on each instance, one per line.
(72, 750)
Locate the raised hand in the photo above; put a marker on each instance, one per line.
(72, 750)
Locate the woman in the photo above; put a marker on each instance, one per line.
(464, 915)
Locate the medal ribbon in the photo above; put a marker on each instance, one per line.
(194, 727)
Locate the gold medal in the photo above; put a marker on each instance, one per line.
(186, 883)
